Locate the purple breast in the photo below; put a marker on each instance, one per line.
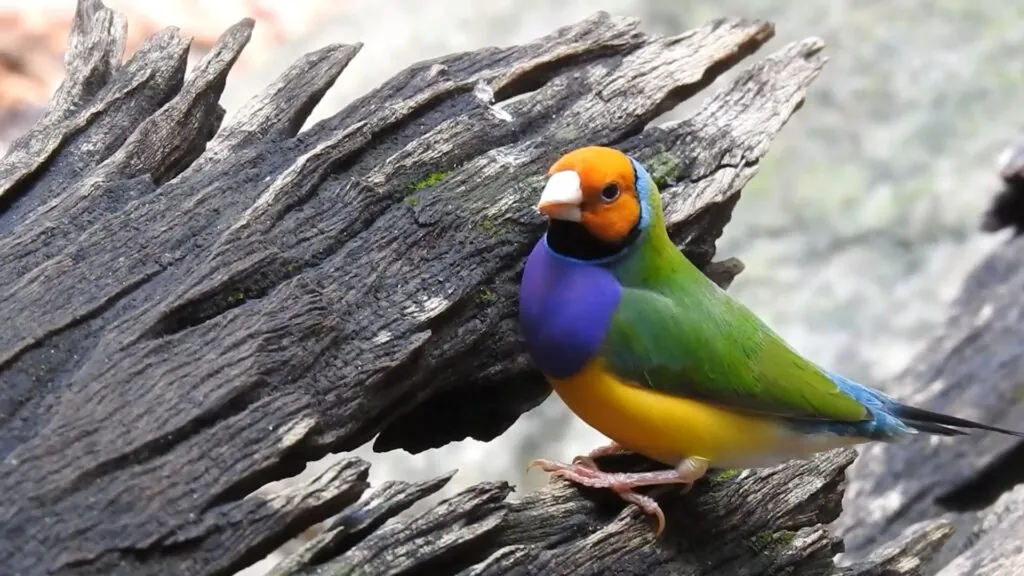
(565, 309)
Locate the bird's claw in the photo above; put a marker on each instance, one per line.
(648, 505)
(584, 471)
(585, 462)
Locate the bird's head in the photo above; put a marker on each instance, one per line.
(598, 202)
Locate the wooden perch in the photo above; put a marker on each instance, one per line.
(194, 308)
(1007, 208)
(974, 368)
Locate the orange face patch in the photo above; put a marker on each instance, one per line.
(610, 208)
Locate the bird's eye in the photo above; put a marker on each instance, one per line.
(610, 192)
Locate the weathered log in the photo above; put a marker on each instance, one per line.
(769, 521)
(1007, 208)
(194, 308)
(973, 368)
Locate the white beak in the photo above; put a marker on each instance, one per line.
(562, 197)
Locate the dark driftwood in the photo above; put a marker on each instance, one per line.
(192, 308)
(974, 368)
(1007, 208)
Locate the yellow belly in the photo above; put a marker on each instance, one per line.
(668, 428)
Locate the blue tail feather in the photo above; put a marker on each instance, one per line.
(882, 425)
(890, 419)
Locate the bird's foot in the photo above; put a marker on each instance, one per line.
(586, 473)
(607, 450)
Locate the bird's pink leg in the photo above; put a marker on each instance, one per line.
(622, 483)
(607, 450)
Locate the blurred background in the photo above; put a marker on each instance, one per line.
(857, 231)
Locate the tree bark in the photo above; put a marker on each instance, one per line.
(194, 308)
(973, 368)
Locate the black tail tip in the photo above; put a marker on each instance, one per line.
(944, 424)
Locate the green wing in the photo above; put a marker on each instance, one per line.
(707, 346)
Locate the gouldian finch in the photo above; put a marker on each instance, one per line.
(651, 353)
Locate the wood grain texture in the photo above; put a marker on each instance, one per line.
(1007, 207)
(974, 368)
(194, 307)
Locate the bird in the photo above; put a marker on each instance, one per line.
(647, 350)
